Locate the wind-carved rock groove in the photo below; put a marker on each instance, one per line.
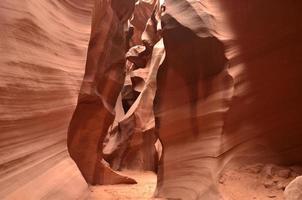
(103, 80)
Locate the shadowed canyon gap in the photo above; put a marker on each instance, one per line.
(185, 88)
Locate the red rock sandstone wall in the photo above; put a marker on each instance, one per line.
(245, 111)
(104, 77)
(43, 47)
(248, 112)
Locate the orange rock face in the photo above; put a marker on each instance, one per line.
(131, 140)
(104, 77)
(211, 115)
(130, 143)
(43, 47)
(218, 82)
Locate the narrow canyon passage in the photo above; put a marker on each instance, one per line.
(150, 99)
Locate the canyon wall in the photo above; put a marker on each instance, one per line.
(226, 74)
(215, 111)
(130, 142)
(43, 48)
(103, 81)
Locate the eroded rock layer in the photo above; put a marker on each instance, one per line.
(226, 74)
(131, 140)
(103, 80)
(43, 47)
(214, 112)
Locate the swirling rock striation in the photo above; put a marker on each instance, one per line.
(103, 80)
(43, 48)
(227, 78)
(228, 91)
(130, 143)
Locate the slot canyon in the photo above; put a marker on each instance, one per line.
(150, 99)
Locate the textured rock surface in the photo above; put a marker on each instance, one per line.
(228, 92)
(43, 47)
(131, 141)
(208, 119)
(142, 12)
(104, 77)
(256, 181)
(294, 190)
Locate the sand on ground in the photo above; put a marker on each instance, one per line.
(255, 182)
(143, 190)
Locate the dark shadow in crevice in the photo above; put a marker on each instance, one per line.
(196, 59)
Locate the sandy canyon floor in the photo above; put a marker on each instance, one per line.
(146, 183)
(256, 182)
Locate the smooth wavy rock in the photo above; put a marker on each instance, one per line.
(131, 140)
(211, 115)
(142, 12)
(43, 47)
(130, 143)
(104, 77)
(294, 189)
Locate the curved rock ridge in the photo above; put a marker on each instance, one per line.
(228, 91)
(217, 83)
(131, 140)
(294, 189)
(43, 48)
(142, 12)
(103, 79)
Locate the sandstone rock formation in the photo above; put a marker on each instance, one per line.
(104, 77)
(212, 114)
(43, 56)
(218, 82)
(130, 143)
(142, 12)
(294, 190)
(43, 47)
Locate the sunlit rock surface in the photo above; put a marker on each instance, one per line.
(43, 48)
(130, 143)
(142, 12)
(211, 115)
